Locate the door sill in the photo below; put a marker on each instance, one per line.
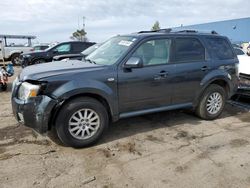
(153, 110)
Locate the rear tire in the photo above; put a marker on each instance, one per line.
(212, 102)
(15, 59)
(81, 122)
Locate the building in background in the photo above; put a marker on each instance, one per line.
(237, 30)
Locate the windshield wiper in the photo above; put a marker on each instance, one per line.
(91, 61)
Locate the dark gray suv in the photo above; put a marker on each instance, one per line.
(126, 76)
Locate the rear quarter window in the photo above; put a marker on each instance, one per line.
(220, 48)
(79, 47)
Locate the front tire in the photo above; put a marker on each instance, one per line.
(212, 102)
(38, 61)
(81, 122)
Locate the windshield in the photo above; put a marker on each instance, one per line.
(90, 49)
(109, 52)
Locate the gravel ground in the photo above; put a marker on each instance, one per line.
(169, 149)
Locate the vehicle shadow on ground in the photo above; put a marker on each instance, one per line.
(146, 123)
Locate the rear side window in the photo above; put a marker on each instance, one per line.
(189, 49)
(79, 46)
(220, 48)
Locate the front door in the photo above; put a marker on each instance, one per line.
(151, 85)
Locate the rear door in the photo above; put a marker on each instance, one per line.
(151, 85)
(78, 47)
(191, 66)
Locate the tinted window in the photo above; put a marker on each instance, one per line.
(189, 49)
(238, 51)
(79, 46)
(63, 48)
(154, 52)
(220, 48)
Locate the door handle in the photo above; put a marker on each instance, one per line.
(161, 75)
(204, 68)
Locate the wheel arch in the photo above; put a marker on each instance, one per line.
(14, 53)
(221, 81)
(95, 96)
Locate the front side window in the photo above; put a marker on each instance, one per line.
(154, 52)
(63, 48)
(189, 49)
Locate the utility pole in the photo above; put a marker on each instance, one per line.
(83, 22)
(83, 26)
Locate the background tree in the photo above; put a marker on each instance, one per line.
(79, 35)
(156, 26)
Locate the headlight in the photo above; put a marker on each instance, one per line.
(27, 90)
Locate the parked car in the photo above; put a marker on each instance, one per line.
(40, 47)
(47, 55)
(129, 75)
(9, 51)
(235, 45)
(244, 70)
(79, 56)
(248, 49)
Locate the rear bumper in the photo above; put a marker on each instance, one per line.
(35, 112)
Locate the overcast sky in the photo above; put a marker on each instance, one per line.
(55, 20)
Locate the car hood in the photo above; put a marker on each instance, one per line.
(244, 64)
(35, 53)
(44, 70)
(67, 55)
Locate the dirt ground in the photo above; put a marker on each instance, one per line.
(169, 149)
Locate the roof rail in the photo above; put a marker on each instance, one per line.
(170, 30)
(167, 30)
(194, 31)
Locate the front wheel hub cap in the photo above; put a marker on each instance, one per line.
(84, 123)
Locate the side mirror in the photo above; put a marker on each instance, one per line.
(133, 62)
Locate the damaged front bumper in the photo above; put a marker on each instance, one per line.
(244, 85)
(34, 112)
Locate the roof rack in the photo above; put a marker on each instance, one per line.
(194, 31)
(167, 30)
(17, 36)
(170, 30)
